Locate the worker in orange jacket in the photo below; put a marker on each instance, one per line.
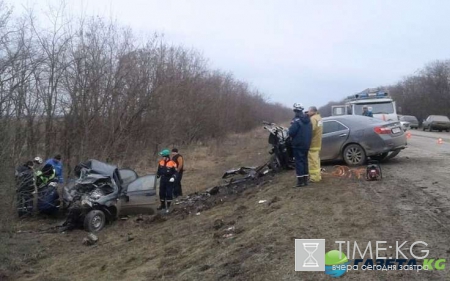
(316, 145)
(167, 172)
(179, 160)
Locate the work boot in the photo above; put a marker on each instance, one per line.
(300, 182)
(162, 206)
(305, 180)
(168, 206)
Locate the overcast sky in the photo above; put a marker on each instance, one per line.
(295, 51)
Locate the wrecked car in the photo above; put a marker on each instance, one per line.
(281, 151)
(102, 193)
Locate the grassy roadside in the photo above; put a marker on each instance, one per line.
(238, 239)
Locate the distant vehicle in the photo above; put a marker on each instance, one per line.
(436, 122)
(405, 125)
(412, 120)
(103, 193)
(354, 138)
(379, 102)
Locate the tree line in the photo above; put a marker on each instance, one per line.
(90, 88)
(426, 92)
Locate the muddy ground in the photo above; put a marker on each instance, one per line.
(238, 238)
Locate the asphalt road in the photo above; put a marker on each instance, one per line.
(416, 190)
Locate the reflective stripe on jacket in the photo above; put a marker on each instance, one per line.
(167, 168)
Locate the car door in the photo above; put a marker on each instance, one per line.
(426, 122)
(127, 176)
(141, 197)
(334, 136)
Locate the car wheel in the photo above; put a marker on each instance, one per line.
(423, 129)
(440, 131)
(447, 131)
(274, 163)
(94, 221)
(354, 155)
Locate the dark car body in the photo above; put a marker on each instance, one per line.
(412, 120)
(354, 138)
(103, 192)
(436, 122)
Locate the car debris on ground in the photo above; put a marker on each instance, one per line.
(90, 239)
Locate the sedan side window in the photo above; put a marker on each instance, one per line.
(143, 183)
(332, 126)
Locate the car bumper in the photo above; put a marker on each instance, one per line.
(440, 126)
(387, 145)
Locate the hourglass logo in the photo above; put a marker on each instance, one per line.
(309, 254)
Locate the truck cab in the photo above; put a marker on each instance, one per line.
(379, 103)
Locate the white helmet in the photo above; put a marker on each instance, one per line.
(298, 107)
(38, 160)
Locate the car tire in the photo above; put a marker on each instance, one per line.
(354, 155)
(274, 163)
(94, 221)
(440, 131)
(447, 131)
(423, 129)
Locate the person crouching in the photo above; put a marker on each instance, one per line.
(167, 172)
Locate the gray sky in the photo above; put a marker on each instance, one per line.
(295, 51)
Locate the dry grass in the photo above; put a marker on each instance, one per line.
(205, 164)
(194, 247)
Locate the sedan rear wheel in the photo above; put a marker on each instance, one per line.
(354, 155)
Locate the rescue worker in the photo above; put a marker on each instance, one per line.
(179, 160)
(167, 172)
(366, 111)
(300, 132)
(37, 162)
(25, 188)
(48, 199)
(316, 145)
(46, 175)
(57, 165)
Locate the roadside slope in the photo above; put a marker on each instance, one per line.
(237, 239)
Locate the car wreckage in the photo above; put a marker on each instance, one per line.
(102, 193)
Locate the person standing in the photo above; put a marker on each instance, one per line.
(316, 145)
(179, 160)
(25, 188)
(366, 111)
(58, 166)
(167, 172)
(300, 132)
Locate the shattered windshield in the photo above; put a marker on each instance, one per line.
(377, 108)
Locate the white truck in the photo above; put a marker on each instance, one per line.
(379, 103)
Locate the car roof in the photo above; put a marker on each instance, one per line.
(408, 116)
(354, 120)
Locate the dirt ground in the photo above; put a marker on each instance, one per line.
(241, 239)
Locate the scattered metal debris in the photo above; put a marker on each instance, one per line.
(90, 239)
